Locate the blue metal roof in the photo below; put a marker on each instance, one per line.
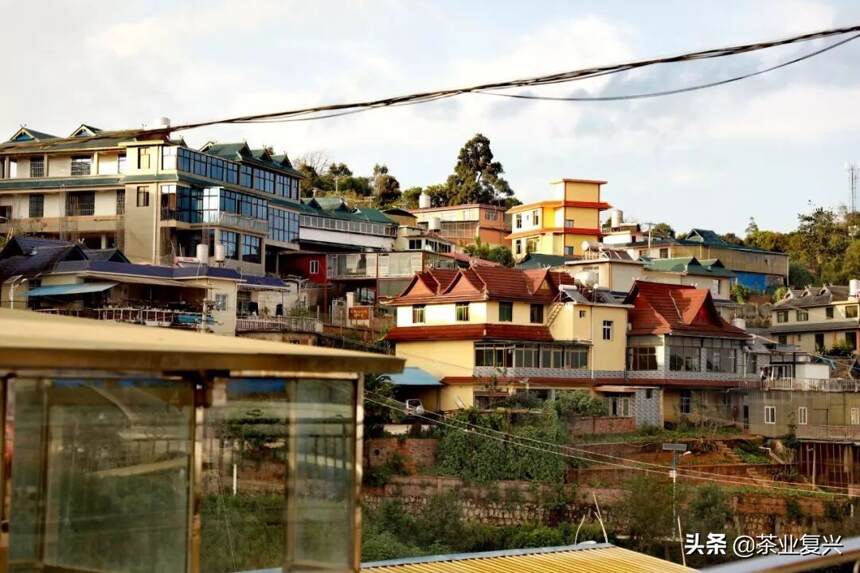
(414, 376)
(77, 288)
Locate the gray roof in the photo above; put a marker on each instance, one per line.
(829, 326)
(814, 296)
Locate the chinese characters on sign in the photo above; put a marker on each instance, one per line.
(745, 546)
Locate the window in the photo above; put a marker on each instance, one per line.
(851, 311)
(5, 213)
(642, 358)
(720, 356)
(686, 402)
(506, 311)
(801, 315)
(220, 302)
(619, 406)
(120, 163)
(13, 168)
(782, 316)
(828, 312)
(819, 342)
(536, 218)
(582, 314)
(314, 267)
(143, 196)
(414, 244)
(81, 165)
(855, 416)
(568, 223)
(649, 394)
(802, 417)
(120, 201)
(568, 251)
(524, 355)
(518, 221)
(536, 314)
(37, 205)
(418, 314)
(782, 339)
(283, 225)
(851, 340)
(168, 158)
(685, 355)
(142, 158)
(230, 240)
(664, 253)
(518, 247)
(461, 310)
(37, 167)
(251, 248)
(81, 203)
(608, 326)
(770, 414)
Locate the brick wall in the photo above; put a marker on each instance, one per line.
(601, 425)
(416, 452)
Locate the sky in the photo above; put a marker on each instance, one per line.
(769, 147)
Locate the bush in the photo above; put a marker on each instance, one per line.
(579, 402)
(841, 348)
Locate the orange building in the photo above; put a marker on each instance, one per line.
(560, 225)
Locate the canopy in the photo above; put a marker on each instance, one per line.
(414, 376)
(67, 289)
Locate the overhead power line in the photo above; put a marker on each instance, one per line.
(550, 79)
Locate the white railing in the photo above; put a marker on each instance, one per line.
(812, 384)
(150, 316)
(279, 324)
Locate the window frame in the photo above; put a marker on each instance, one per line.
(41, 162)
(608, 330)
(142, 192)
(461, 311)
(507, 316)
(536, 311)
(41, 206)
(419, 314)
(770, 415)
(802, 416)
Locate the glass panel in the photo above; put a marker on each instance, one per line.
(321, 524)
(110, 461)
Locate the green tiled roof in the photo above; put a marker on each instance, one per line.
(231, 151)
(540, 261)
(60, 182)
(688, 265)
(336, 208)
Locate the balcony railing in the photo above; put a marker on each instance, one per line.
(131, 315)
(279, 324)
(812, 384)
(815, 432)
(219, 219)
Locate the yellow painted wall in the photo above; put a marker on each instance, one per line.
(450, 394)
(440, 357)
(479, 312)
(579, 191)
(583, 217)
(609, 354)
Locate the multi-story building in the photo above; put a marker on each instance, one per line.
(678, 341)
(757, 269)
(818, 319)
(490, 331)
(329, 224)
(151, 195)
(561, 225)
(466, 224)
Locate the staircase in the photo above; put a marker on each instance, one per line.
(554, 311)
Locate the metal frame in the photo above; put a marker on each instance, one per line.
(203, 385)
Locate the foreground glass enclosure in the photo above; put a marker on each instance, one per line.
(211, 471)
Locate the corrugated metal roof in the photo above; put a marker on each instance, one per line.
(76, 288)
(414, 376)
(582, 558)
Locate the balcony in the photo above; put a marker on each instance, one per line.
(217, 219)
(840, 433)
(811, 384)
(144, 316)
(279, 324)
(373, 265)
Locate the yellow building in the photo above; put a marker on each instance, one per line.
(561, 225)
(486, 332)
(817, 319)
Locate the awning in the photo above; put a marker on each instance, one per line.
(76, 288)
(139, 280)
(414, 376)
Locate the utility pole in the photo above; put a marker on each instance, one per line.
(853, 170)
(673, 473)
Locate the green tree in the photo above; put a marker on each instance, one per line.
(708, 510)
(379, 388)
(662, 230)
(498, 254)
(824, 240)
(477, 178)
(647, 511)
(732, 239)
(799, 276)
(740, 293)
(386, 189)
(409, 197)
(851, 261)
(339, 170)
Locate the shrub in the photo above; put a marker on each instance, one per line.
(580, 402)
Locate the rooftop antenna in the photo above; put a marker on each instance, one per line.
(853, 170)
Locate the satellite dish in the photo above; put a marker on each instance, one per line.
(586, 246)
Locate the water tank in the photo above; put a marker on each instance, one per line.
(435, 224)
(854, 287)
(424, 201)
(616, 218)
(203, 253)
(739, 323)
(219, 252)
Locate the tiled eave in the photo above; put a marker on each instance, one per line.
(534, 333)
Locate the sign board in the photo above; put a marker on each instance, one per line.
(359, 312)
(674, 447)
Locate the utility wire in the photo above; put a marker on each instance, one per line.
(508, 438)
(675, 91)
(562, 77)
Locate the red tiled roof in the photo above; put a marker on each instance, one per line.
(481, 282)
(660, 308)
(537, 333)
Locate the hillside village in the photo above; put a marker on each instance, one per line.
(596, 337)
